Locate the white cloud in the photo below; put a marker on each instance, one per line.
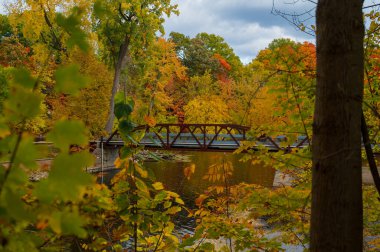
(247, 25)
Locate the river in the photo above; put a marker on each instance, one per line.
(171, 174)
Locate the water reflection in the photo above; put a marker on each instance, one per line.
(171, 173)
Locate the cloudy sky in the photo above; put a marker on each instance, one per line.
(247, 25)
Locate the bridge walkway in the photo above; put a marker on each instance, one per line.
(226, 137)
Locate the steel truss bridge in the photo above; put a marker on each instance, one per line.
(203, 137)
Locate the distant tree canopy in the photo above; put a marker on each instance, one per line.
(206, 53)
(5, 27)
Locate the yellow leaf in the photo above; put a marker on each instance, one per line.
(125, 6)
(141, 171)
(219, 189)
(158, 186)
(172, 194)
(173, 210)
(188, 171)
(117, 163)
(179, 201)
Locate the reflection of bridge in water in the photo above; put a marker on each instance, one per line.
(225, 137)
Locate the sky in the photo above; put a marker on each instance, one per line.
(248, 26)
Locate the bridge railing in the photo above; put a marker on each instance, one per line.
(207, 136)
(201, 136)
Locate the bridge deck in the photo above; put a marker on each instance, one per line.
(227, 137)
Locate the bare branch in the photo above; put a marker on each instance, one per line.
(123, 16)
(370, 6)
(297, 19)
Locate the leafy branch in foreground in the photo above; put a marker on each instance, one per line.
(143, 208)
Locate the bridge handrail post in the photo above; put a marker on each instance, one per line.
(102, 158)
(167, 136)
(204, 137)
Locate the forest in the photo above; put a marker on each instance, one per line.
(73, 71)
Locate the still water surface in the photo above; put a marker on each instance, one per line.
(171, 174)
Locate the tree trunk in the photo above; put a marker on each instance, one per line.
(119, 66)
(336, 212)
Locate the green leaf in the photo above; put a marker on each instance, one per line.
(72, 223)
(66, 133)
(22, 77)
(72, 26)
(167, 204)
(141, 171)
(119, 97)
(125, 127)
(69, 80)
(4, 130)
(142, 187)
(190, 241)
(207, 247)
(130, 102)
(125, 152)
(22, 104)
(15, 207)
(122, 110)
(67, 179)
(67, 223)
(99, 9)
(29, 160)
(160, 196)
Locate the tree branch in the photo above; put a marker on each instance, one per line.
(370, 6)
(370, 157)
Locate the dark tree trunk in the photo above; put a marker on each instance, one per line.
(336, 214)
(119, 66)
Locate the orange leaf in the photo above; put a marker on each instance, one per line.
(150, 120)
(42, 224)
(200, 200)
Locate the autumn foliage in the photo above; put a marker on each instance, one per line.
(58, 66)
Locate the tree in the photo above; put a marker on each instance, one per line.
(336, 219)
(123, 25)
(4, 89)
(160, 68)
(218, 46)
(5, 27)
(13, 53)
(289, 71)
(204, 53)
(280, 42)
(88, 105)
(198, 59)
(205, 109)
